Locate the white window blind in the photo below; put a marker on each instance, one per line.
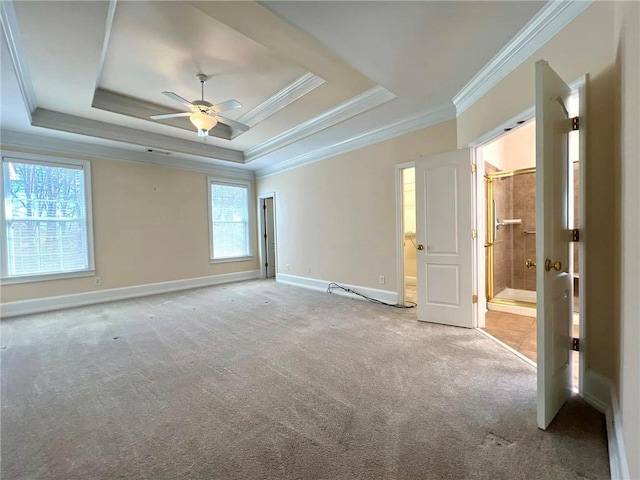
(44, 218)
(229, 220)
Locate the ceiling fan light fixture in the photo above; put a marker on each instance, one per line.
(203, 123)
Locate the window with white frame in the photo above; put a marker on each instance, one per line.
(46, 219)
(229, 219)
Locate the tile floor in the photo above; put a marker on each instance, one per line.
(519, 333)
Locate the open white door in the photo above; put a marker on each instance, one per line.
(444, 237)
(554, 280)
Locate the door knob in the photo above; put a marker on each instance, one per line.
(530, 263)
(548, 265)
(420, 247)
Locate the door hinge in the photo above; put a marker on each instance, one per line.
(265, 236)
(575, 123)
(473, 168)
(474, 233)
(474, 299)
(264, 205)
(575, 235)
(575, 344)
(266, 264)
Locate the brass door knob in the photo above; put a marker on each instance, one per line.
(420, 247)
(548, 265)
(530, 263)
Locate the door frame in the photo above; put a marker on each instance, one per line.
(261, 226)
(579, 85)
(400, 228)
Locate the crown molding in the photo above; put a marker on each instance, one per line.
(289, 94)
(20, 141)
(93, 128)
(367, 100)
(111, 12)
(416, 122)
(14, 44)
(552, 18)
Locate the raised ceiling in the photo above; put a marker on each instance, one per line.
(308, 74)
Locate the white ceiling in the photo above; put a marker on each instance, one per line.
(385, 60)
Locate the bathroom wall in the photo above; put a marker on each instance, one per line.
(524, 245)
(503, 242)
(409, 220)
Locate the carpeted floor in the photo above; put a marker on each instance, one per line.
(259, 380)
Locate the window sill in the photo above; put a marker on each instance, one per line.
(229, 260)
(46, 277)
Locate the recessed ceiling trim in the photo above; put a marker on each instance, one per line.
(551, 18)
(289, 94)
(361, 103)
(434, 116)
(85, 126)
(18, 141)
(107, 35)
(14, 44)
(137, 108)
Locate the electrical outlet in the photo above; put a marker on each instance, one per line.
(381, 279)
(287, 267)
(97, 281)
(309, 269)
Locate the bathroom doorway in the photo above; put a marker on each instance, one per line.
(409, 247)
(509, 165)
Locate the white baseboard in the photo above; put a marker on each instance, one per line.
(321, 286)
(47, 304)
(601, 394)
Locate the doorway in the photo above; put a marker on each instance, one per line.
(509, 166)
(266, 207)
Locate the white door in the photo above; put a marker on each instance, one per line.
(443, 224)
(554, 280)
(270, 240)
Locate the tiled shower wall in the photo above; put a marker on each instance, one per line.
(503, 243)
(524, 245)
(515, 197)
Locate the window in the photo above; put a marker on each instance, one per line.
(46, 219)
(229, 220)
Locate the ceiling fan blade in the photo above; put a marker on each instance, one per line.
(170, 115)
(228, 105)
(178, 98)
(232, 123)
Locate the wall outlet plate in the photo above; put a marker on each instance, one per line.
(381, 279)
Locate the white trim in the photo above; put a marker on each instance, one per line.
(48, 304)
(261, 226)
(19, 141)
(551, 18)
(601, 394)
(14, 45)
(289, 94)
(46, 160)
(105, 43)
(361, 103)
(97, 129)
(386, 296)
(250, 218)
(416, 122)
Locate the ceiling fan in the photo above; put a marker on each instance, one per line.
(203, 114)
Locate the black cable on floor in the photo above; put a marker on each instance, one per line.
(332, 286)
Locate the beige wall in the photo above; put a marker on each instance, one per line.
(627, 44)
(592, 54)
(336, 219)
(150, 225)
(515, 150)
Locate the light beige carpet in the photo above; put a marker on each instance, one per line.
(259, 380)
